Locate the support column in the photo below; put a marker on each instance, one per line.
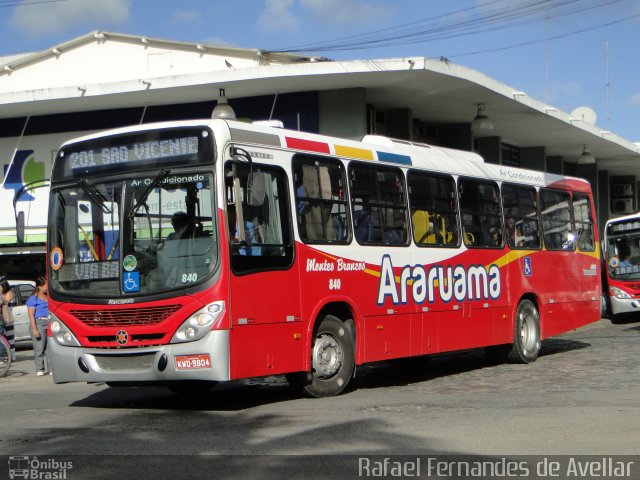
(457, 136)
(590, 173)
(490, 148)
(533, 158)
(602, 200)
(570, 168)
(398, 123)
(343, 113)
(554, 165)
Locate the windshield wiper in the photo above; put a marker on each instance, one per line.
(95, 196)
(143, 198)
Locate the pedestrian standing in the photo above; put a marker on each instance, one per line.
(6, 316)
(38, 309)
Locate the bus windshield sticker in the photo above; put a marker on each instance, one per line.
(131, 282)
(129, 263)
(57, 258)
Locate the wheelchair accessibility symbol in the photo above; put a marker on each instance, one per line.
(528, 269)
(131, 282)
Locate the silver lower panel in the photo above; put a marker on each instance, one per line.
(624, 305)
(140, 364)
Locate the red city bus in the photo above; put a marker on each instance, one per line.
(622, 258)
(188, 253)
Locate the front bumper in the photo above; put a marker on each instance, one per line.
(139, 365)
(624, 305)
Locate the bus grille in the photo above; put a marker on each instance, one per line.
(126, 317)
(125, 362)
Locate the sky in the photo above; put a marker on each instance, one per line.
(567, 53)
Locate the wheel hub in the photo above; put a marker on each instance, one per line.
(327, 356)
(528, 328)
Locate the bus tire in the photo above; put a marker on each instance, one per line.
(526, 342)
(332, 358)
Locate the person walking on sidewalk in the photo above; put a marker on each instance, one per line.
(39, 319)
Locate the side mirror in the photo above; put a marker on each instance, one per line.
(257, 189)
(20, 227)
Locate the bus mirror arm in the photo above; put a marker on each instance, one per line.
(20, 227)
(255, 181)
(20, 221)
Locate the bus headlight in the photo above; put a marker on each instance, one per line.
(618, 293)
(61, 333)
(199, 324)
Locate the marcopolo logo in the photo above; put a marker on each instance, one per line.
(34, 468)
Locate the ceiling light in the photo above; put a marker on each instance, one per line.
(481, 122)
(585, 157)
(223, 109)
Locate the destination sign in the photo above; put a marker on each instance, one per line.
(138, 152)
(147, 150)
(624, 227)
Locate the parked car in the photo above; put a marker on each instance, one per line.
(22, 290)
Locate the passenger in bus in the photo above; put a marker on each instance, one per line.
(339, 228)
(623, 255)
(514, 232)
(252, 235)
(182, 226)
(303, 205)
(494, 237)
(392, 236)
(363, 226)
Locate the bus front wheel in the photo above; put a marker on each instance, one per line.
(526, 342)
(332, 359)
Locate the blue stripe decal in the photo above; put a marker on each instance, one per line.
(394, 158)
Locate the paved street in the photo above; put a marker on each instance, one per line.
(580, 397)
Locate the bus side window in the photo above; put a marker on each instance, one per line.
(521, 220)
(378, 205)
(260, 230)
(556, 219)
(584, 223)
(434, 215)
(321, 207)
(480, 210)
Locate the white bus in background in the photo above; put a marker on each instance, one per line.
(621, 245)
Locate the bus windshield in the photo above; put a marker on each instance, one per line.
(147, 234)
(623, 256)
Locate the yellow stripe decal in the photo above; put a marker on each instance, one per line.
(353, 152)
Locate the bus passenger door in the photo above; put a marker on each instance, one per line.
(264, 283)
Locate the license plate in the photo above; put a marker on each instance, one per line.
(191, 362)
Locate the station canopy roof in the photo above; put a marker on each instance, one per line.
(103, 70)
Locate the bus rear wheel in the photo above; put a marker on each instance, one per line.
(526, 342)
(332, 359)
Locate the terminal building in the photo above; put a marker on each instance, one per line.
(104, 80)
